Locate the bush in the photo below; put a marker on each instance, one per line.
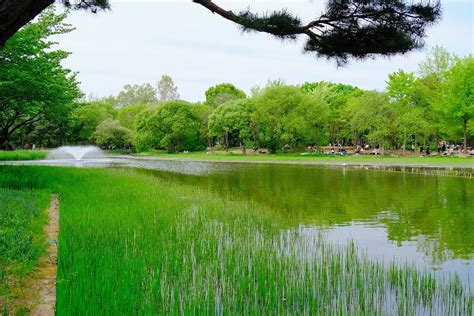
(111, 134)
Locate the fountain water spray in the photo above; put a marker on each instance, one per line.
(76, 152)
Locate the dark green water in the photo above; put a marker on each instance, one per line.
(424, 219)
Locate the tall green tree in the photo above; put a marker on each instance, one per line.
(127, 116)
(112, 135)
(288, 118)
(456, 100)
(336, 96)
(137, 94)
(432, 74)
(232, 119)
(402, 89)
(437, 62)
(33, 83)
(167, 91)
(87, 116)
(173, 126)
(223, 93)
(371, 118)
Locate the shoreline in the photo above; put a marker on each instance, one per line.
(304, 161)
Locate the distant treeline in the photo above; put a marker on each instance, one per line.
(39, 105)
(436, 104)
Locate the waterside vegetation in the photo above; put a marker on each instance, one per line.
(133, 243)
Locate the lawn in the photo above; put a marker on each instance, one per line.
(23, 155)
(131, 243)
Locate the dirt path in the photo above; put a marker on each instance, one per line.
(40, 289)
(45, 285)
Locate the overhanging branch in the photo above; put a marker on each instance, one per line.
(349, 28)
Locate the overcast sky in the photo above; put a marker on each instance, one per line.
(138, 41)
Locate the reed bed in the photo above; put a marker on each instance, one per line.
(131, 243)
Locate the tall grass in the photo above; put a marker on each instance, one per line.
(23, 155)
(133, 244)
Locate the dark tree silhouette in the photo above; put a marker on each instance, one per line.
(16, 13)
(348, 29)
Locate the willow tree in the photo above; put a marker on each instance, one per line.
(347, 29)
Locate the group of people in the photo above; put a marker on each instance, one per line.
(443, 149)
(366, 149)
(340, 149)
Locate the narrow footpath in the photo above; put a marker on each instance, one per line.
(45, 284)
(40, 289)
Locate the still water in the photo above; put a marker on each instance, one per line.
(419, 218)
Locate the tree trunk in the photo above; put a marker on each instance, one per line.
(16, 13)
(242, 147)
(210, 143)
(465, 135)
(226, 141)
(4, 136)
(404, 143)
(416, 145)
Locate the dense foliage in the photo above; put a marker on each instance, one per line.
(39, 102)
(173, 126)
(36, 92)
(222, 93)
(417, 110)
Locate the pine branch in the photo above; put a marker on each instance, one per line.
(355, 29)
(349, 29)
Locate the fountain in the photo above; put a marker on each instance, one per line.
(78, 153)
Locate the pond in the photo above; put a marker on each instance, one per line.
(424, 219)
(416, 215)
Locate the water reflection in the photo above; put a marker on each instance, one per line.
(437, 212)
(426, 220)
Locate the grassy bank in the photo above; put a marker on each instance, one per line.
(222, 156)
(22, 239)
(23, 155)
(130, 243)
